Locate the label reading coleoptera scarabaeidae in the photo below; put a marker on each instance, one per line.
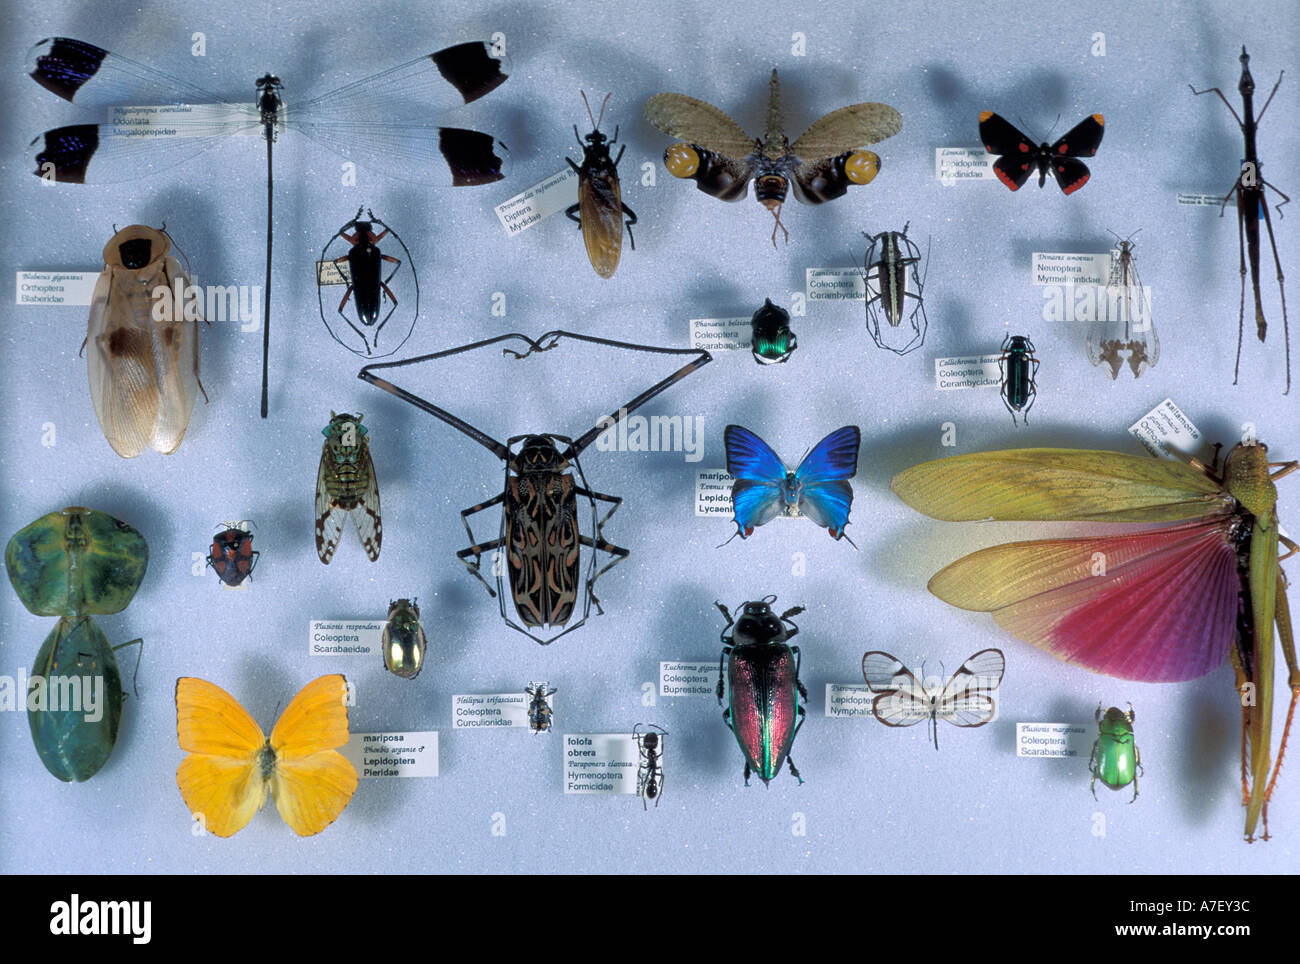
(1165, 431)
(973, 371)
(848, 699)
(345, 637)
(713, 492)
(73, 288)
(483, 711)
(680, 678)
(540, 201)
(835, 284)
(1054, 740)
(955, 164)
(1063, 268)
(393, 754)
(721, 334)
(601, 763)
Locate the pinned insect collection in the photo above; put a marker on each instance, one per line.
(1175, 566)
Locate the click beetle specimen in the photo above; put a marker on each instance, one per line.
(1115, 759)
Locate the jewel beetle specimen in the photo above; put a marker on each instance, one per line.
(765, 488)
(143, 342)
(650, 762)
(346, 484)
(540, 712)
(232, 766)
(763, 687)
(821, 165)
(232, 556)
(1019, 367)
(771, 339)
(368, 300)
(539, 543)
(76, 564)
(891, 260)
(1251, 208)
(600, 209)
(1115, 759)
(379, 121)
(1020, 158)
(403, 641)
(1161, 605)
(904, 700)
(1123, 330)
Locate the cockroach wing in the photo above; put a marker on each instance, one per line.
(329, 520)
(846, 129)
(698, 123)
(176, 352)
(365, 513)
(121, 364)
(600, 208)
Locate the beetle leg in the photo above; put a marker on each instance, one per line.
(789, 760)
(376, 238)
(349, 238)
(619, 554)
(387, 291)
(346, 295)
(747, 773)
(475, 549)
(1092, 765)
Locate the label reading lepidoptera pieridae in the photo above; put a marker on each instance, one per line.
(602, 763)
(412, 754)
(543, 199)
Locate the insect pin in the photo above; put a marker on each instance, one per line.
(892, 258)
(346, 484)
(765, 488)
(821, 165)
(904, 700)
(1019, 367)
(540, 712)
(771, 339)
(368, 273)
(650, 765)
(1115, 759)
(403, 641)
(1020, 158)
(232, 556)
(1123, 330)
(600, 208)
(1251, 207)
(763, 688)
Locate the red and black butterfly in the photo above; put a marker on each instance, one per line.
(1020, 158)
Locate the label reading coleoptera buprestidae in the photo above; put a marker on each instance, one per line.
(73, 288)
(345, 637)
(835, 284)
(1053, 740)
(721, 334)
(681, 678)
(1165, 431)
(540, 201)
(602, 763)
(393, 754)
(955, 164)
(713, 492)
(1063, 268)
(972, 371)
(486, 711)
(848, 699)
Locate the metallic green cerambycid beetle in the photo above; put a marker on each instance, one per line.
(75, 564)
(1115, 758)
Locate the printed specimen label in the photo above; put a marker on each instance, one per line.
(685, 678)
(393, 754)
(345, 637)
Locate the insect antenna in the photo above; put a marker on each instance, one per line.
(775, 208)
(595, 122)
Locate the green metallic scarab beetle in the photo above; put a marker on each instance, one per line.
(403, 640)
(75, 564)
(1115, 759)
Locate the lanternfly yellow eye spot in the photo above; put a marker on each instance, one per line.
(862, 167)
(682, 160)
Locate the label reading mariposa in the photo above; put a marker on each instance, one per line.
(835, 284)
(540, 201)
(682, 678)
(1060, 740)
(1063, 268)
(713, 492)
(974, 371)
(602, 763)
(1165, 431)
(345, 637)
(71, 288)
(955, 164)
(393, 754)
(849, 699)
(721, 334)
(490, 711)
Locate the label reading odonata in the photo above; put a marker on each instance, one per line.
(345, 637)
(393, 754)
(486, 711)
(603, 763)
(681, 678)
(1054, 740)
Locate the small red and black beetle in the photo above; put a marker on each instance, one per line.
(232, 555)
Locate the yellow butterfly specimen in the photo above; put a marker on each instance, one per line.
(232, 765)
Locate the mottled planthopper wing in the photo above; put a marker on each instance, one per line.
(313, 782)
(845, 129)
(366, 515)
(700, 123)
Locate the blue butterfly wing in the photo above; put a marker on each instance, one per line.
(749, 457)
(826, 495)
(755, 504)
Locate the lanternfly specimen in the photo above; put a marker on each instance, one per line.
(600, 209)
(368, 300)
(1020, 158)
(821, 165)
(1123, 330)
(346, 484)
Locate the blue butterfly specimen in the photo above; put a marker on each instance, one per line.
(765, 488)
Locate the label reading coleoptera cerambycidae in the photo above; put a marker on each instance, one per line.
(72, 288)
(540, 201)
(345, 637)
(835, 284)
(1063, 268)
(848, 699)
(953, 165)
(602, 763)
(1165, 431)
(487, 711)
(721, 334)
(1059, 740)
(393, 754)
(682, 678)
(972, 371)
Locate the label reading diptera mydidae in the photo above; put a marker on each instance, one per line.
(848, 699)
(72, 288)
(393, 754)
(973, 371)
(682, 678)
(1165, 431)
(835, 284)
(1054, 740)
(540, 201)
(955, 164)
(187, 120)
(602, 763)
(1063, 268)
(721, 334)
(345, 637)
(1206, 200)
(713, 492)
(487, 711)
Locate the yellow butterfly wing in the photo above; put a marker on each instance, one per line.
(222, 780)
(312, 782)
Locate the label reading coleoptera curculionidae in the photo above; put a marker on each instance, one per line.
(412, 754)
(721, 334)
(486, 711)
(71, 288)
(848, 699)
(345, 637)
(1165, 431)
(973, 371)
(681, 678)
(601, 763)
(1063, 268)
(835, 284)
(1060, 740)
(713, 492)
(540, 201)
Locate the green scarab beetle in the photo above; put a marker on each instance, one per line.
(1115, 759)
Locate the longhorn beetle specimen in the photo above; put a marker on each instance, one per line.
(539, 535)
(366, 283)
(1019, 367)
(891, 257)
(600, 208)
(1251, 206)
